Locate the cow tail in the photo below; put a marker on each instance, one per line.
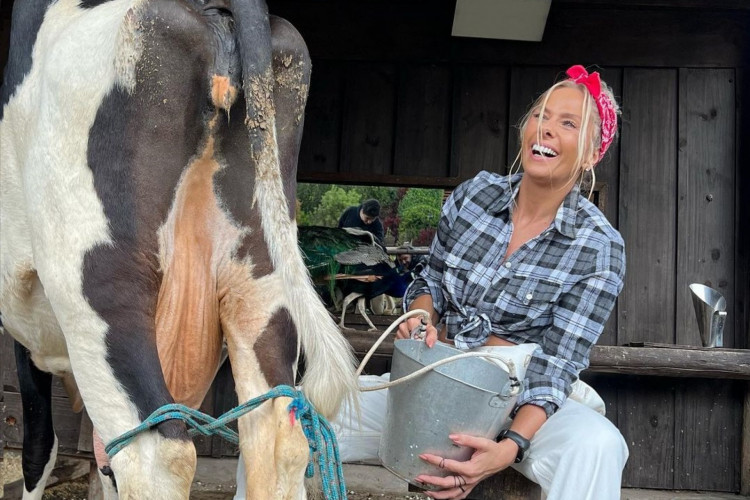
(329, 377)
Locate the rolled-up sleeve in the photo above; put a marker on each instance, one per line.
(578, 320)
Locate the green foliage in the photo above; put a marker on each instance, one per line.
(419, 210)
(303, 218)
(420, 196)
(332, 204)
(416, 219)
(309, 196)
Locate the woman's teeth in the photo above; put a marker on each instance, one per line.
(543, 150)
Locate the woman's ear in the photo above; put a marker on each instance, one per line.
(595, 157)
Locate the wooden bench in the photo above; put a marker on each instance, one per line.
(642, 358)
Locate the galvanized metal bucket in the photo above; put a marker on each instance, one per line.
(470, 396)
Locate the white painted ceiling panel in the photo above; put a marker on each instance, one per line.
(501, 19)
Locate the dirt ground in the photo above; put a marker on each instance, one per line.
(10, 470)
(215, 481)
(77, 490)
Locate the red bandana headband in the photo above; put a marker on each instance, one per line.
(593, 83)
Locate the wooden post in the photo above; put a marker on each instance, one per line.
(86, 433)
(95, 484)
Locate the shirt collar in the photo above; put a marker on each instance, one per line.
(504, 200)
(565, 219)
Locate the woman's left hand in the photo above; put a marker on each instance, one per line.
(488, 458)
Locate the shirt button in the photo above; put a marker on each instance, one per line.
(529, 296)
(507, 265)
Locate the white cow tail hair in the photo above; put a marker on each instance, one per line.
(330, 365)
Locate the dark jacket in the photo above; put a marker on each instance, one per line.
(351, 218)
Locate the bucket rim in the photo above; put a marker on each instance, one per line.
(503, 392)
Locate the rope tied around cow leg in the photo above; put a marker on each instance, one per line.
(320, 436)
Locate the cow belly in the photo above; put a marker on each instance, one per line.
(28, 317)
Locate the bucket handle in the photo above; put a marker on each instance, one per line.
(515, 386)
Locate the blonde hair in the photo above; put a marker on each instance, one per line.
(590, 136)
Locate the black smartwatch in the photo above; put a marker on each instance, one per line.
(522, 442)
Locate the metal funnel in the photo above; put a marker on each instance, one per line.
(710, 311)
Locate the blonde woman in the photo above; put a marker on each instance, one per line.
(528, 259)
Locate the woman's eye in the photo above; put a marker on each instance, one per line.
(570, 124)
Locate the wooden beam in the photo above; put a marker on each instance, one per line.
(672, 361)
(359, 178)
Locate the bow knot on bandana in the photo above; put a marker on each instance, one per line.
(606, 107)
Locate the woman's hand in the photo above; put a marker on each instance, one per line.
(488, 458)
(413, 325)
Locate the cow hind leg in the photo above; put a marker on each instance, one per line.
(39, 440)
(275, 452)
(273, 444)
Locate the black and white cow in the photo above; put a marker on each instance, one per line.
(148, 155)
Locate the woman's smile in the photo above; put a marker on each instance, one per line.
(551, 137)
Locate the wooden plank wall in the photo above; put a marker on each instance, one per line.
(423, 126)
(646, 307)
(480, 119)
(367, 134)
(705, 235)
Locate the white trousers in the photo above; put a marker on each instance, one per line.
(577, 455)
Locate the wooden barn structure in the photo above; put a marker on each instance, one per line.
(396, 100)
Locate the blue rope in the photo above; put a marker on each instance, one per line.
(317, 429)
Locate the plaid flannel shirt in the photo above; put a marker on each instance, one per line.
(556, 290)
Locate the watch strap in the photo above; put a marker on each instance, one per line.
(522, 442)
